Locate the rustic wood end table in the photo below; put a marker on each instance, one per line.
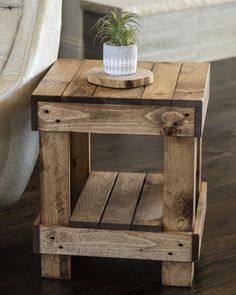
(116, 214)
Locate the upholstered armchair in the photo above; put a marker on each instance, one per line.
(29, 42)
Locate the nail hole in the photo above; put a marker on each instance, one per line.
(175, 124)
(58, 121)
(186, 115)
(46, 111)
(180, 245)
(52, 238)
(61, 247)
(140, 250)
(170, 253)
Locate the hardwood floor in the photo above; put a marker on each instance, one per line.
(215, 273)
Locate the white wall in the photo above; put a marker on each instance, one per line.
(71, 36)
(201, 33)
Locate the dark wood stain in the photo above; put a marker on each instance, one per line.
(216, 271)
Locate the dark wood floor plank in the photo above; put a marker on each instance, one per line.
(122, 203)
(149, 212)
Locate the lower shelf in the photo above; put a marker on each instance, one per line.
(163, 246)
(121, 201)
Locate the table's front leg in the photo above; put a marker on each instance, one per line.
(180, 164)
(55, 196)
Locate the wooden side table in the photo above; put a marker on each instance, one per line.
(125, 215)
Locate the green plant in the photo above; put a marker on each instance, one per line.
(117, 28)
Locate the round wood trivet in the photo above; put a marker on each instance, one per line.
(141, 78)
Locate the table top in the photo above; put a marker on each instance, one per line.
(175, 84)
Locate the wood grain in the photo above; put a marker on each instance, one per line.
(200, 219)
(53, 85)
(116, 119)
(206, 97)
(177, 274)
(80, 163)
(161, 91)
(79, 86)
(55, 195)
(126, 95)
(149, 212)
(57, 78)
(199, 168)
(180, 158)
(179, 183)
(122, 203)
(90, 206)
(119, 244)
(141, 78)
(191, 85)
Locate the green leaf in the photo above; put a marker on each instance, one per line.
(117, 28)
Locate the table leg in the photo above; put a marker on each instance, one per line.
(80, 163)
(55, 195)
(199, 167)
(180, 164)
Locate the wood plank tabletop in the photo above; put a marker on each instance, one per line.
(175, 85)
(179, 84)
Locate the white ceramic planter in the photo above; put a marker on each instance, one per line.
(120, 60)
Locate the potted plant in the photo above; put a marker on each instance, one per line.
(118, 32)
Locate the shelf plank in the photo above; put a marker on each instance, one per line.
(92, 201)
(165, 246)
(122, 203)
(149, 213)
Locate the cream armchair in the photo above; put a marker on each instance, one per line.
(29, 42)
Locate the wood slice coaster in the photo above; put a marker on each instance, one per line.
(141, 78)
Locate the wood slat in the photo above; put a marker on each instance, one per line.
(200, 220)
(165, 79)
(53, 85)
(57, 78)
(79, 86)
(199, 168)
(149, 212)
(191, 85)
(123, 95)
(122, 203)
(116, 119)
(114, 243)
(206, 97)
(89, 208)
